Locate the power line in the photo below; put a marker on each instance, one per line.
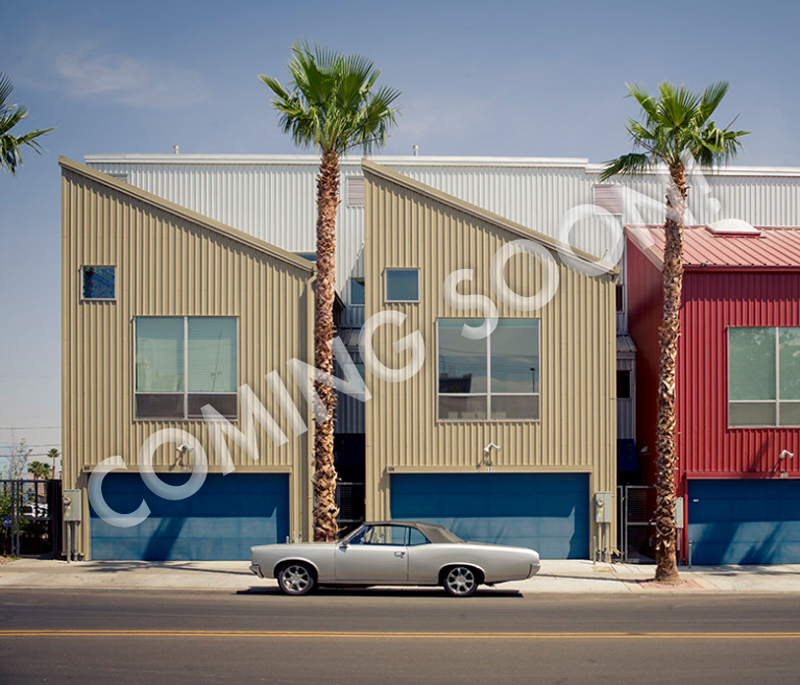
(29, 428)
(31, 455)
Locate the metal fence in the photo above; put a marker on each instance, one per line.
(350, 500)
(637, 530)
(30, 513)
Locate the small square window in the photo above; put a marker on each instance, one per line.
(98, 282)
(402, 285)
(357, 291)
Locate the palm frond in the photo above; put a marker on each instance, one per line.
(632, 163)
(10, 116)
(275, 86)
(678, 104)
(646, 102)
(6, 88)
(642, 136)
(712, 96)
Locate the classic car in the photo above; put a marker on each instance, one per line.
(393, 553)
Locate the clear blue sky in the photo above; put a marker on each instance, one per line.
(478, 78)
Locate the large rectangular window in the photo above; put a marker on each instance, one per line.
(184, 363)
(492, 379)
(763, 376)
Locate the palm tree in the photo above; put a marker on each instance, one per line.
(330, 105)
(676, 126)
(10, 116)
(39, 470)
(54, 454)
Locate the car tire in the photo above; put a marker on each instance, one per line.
(297, 578)
(461, 581)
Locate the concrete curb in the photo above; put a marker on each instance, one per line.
(562, 576)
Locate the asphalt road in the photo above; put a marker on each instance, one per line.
(407, 636)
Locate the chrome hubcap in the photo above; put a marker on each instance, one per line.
(461, 580)
(295, 578)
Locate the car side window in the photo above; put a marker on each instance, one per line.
(380, 535)
(376, 536)
(416, 538)
(388, 535)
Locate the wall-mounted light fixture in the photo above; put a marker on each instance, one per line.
(183, 449)
(785, 454)
(487, 454)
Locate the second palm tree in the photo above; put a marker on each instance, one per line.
(331, 104)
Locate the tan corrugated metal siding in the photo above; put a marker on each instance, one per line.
(170, 263)
(407, 227)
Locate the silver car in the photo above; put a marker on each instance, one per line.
(393, 553)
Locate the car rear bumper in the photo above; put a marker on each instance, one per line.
(534, 570)
(255, 568)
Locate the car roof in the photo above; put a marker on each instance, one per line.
(433, 531)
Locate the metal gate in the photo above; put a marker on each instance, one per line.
(30, 513)
(350, 501)
(637, 530)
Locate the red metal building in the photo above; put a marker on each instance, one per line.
(738, 386)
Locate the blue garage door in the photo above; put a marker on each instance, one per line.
(744, 521)
(546, 511)
(220, 521)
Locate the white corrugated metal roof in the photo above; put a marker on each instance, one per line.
(421, 161)
(410, 160)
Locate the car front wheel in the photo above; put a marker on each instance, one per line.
(296, 579)
(461, 581)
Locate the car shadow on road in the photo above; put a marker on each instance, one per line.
(482, 593)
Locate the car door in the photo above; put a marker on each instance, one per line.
(377, 554)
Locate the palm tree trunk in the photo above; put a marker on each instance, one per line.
(325, 511)
(669, 332)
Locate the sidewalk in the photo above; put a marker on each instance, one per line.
(563, 576)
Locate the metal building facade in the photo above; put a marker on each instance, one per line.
(728, 282)
(413, 226)
(171, 261)
(272, 198)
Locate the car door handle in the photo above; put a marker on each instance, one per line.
(400, 554)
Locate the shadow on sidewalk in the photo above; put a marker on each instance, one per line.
(743, 570)
(131, 566)
(599, 576)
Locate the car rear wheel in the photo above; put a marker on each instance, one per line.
(461, 581)
(296, 578)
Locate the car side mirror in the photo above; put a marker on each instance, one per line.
(343, 544)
